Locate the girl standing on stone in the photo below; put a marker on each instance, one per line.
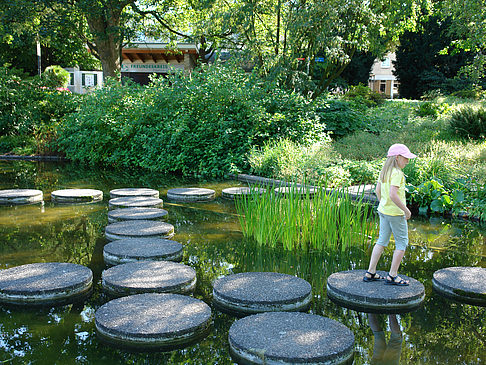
(393, 213)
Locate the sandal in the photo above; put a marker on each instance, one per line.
(393, 281)
(373, 277)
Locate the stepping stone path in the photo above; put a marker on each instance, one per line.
(231, 193)
(290, 338)
(149, 277)
(20, 196)
(348, 289)
(464, 284)
(131, 192)
(296, 191)
(153, 320)
(138, 229)
(191, 194)
(254, 292)
(126, 214)
(44, 283)
(135, 202)
(76, 195)
(140, 249)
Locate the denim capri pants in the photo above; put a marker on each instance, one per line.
(396, 224)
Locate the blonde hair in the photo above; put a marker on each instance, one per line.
(390, 163)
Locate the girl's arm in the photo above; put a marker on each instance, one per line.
(378, 190)
(394, 197)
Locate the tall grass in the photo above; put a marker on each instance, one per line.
(323, 220)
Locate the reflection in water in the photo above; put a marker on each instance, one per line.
(386, 353)
(215, 247)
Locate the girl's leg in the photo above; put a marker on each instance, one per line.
(382, 242)
(399, 228)
(396, 261)
(375, 257)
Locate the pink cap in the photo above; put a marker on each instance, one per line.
(400, 149)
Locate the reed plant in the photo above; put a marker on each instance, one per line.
(319, 219)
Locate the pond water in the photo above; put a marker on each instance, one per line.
(440, 332)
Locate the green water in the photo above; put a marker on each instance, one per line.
(440, 332)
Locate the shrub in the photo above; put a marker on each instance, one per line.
(56, 76)
(363, 172)
(473, 92)
(201, 124)
(26, 105)
(469, 122)
(431, 109)
(432, 196)
(363, 94)
(341, 117)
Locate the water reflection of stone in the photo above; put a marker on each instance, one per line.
(385, 353)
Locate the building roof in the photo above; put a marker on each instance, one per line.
(153, 52)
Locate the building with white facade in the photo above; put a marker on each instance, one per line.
(382, 79)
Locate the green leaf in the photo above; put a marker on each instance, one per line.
(437, 206)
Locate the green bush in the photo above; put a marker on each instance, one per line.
(201, 124)
(363, 94)
(56, 76)
(473, 92)
(432, 196)
(341, 117)
(431, 109)
(26, 105)
(469, 122)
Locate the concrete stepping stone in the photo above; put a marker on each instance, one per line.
(254, 292)
(296, 191)
(290, 338)
(231, 193)
(153, 321)
(135, 202)
(130, 192)
(347, 289)
(463, 284)
(138, 229)
(45, 283)
(191, 194)
(76, 195)
(127, 214)
(20, 196)
(149, 277)
(140, 249)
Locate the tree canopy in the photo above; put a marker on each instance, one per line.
(302, 44)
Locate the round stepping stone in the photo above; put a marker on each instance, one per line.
(231, 193)
(255, 292)
(44, 283)
(140, 249)
(149, 277)
(130, 192)
(464, 284)
(20, 196)
(138, 229)
(191, 194)
(77, 195)
(290, 338)
(135, 202)
(296, 191)
(348, 289)
(153, 320)
(127, 214)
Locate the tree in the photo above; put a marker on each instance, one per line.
(274, 34)
(24, 23)
(468, 19)
(420, 65)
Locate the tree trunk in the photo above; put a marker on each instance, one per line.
(105, 27)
